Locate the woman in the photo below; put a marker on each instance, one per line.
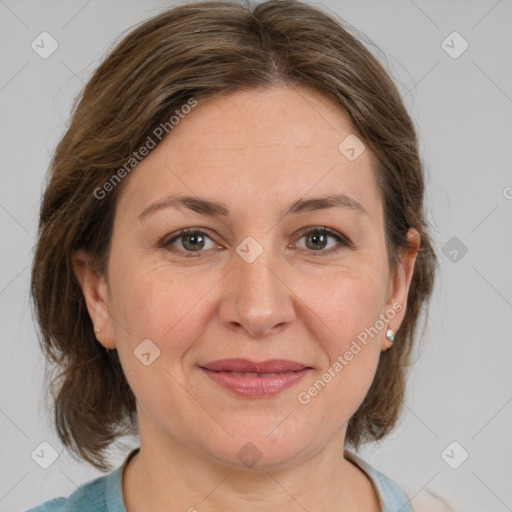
(232, 259)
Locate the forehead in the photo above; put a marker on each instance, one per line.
(256, 147)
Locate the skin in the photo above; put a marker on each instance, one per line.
(257, 152)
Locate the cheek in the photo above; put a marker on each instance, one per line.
(168, 312)
(346, 303)
(161, 306)
(349, 330)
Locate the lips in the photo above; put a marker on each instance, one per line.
(255, 379)
(247, 366)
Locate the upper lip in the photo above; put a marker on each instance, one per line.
(246, 365)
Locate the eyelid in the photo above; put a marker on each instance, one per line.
(166, 242)
(342, 240)
(325, 230)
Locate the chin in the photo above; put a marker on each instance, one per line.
(271, 447)
(256, 457)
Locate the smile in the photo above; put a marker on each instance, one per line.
(252, 379)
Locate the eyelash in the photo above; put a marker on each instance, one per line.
(342, 242)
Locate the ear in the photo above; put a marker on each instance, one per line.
(95, 290)
(399, 284)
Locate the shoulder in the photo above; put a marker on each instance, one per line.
(391, 495)
(427, 501)
(89, 497)
(397, 497)
(53, 505)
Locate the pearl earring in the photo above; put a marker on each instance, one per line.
(390, 335)
(97, 329)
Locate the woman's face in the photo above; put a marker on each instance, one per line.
(263, 283)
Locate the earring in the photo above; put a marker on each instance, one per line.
(390, 335)
(97, 329)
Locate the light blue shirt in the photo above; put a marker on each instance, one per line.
(105, 494)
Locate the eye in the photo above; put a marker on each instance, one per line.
(193, 240)
(319, 237)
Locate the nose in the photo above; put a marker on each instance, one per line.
(257, 297)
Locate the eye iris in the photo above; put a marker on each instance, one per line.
(194, 237)
(316, 237)
(194, 241)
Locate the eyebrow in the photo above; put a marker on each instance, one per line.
(215, 209)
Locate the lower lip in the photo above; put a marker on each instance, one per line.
(256, 385)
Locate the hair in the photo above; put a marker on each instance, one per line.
(202, 50)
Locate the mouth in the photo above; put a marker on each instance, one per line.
(252, 379)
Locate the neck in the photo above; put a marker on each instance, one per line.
(167, 476)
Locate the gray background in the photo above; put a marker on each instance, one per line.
(460, 386)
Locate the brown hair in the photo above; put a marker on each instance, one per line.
(201, 50)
